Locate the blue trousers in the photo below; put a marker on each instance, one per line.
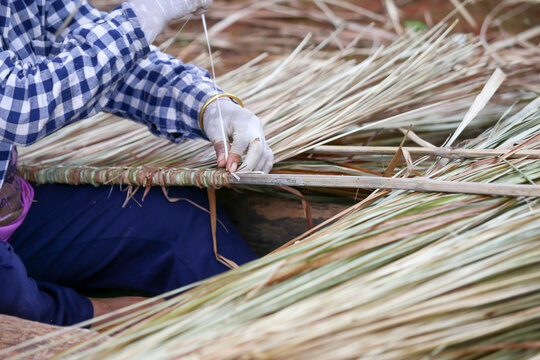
(78, 239)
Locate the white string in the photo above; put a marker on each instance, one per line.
(225, 145)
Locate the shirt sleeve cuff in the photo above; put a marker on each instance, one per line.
(65, 306)
(190, 101)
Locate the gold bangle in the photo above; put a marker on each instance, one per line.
(211, 100)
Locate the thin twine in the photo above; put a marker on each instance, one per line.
(225, 145)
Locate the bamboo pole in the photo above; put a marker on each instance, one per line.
(420, 184)
(445, 152)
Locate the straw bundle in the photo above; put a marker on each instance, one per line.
(248, 27)
(399, 275)
(241, 29)
(404, 275)
(304, 100)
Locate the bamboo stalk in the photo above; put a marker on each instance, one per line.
(420, 184)
(446, 152)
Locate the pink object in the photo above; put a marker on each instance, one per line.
(27, 194)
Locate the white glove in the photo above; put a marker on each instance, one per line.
(245, 130)
(153, 15)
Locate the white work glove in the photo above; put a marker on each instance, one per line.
(154, 15)
(245, 130)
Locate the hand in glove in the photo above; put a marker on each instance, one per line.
(153, 15)
(245, 130)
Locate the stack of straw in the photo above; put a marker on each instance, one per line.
(404, 275)
(246, 27)
(398, 275)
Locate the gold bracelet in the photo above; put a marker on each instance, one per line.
(211, 100)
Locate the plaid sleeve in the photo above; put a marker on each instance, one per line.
(165, 94)
(39, 97)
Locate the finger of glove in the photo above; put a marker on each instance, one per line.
(268, 161)
(254, 159)
(266, 158)
(268, 167)
(239, 146)
(220, 153)
(233, 161)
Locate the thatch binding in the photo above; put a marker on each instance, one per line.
(134, 176)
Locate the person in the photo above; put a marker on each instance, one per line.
(62, 61)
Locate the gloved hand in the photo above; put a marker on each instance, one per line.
(155, 14)
(245, 130)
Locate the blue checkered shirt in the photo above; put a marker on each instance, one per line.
(100, 62)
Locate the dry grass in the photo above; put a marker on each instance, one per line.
(305, 99)
(400, 275)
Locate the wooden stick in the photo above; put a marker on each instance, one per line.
(419, 184)
(441, 151)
